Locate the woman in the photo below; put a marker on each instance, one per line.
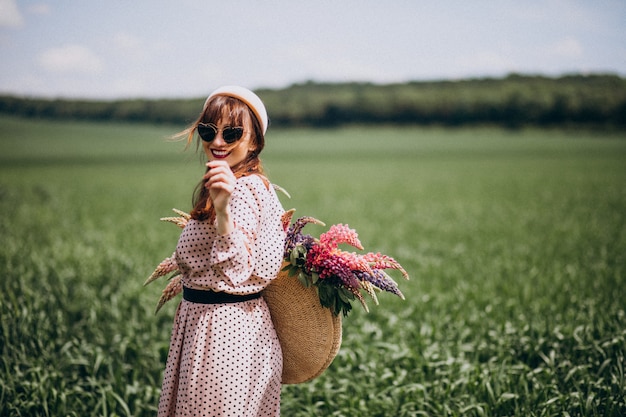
(224, 357)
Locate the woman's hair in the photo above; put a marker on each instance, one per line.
(233, 112)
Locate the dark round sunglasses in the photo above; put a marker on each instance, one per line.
(208, 131)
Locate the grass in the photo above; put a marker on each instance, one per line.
(515, 242)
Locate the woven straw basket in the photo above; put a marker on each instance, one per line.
(309, 334)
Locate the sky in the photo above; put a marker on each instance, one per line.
(115, 49)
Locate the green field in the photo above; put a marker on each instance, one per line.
(515, 242)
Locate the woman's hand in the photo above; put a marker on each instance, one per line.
(221, 184)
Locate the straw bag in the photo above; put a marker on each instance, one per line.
(309, 334)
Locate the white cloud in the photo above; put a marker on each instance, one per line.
(71, 59)
(9, 14)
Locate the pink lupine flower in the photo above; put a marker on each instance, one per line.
(340, 233)
(380, 261)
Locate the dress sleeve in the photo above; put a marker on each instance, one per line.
(252, 252)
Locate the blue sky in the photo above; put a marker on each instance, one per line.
(186, 48)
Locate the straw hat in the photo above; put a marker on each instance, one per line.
(309, 334)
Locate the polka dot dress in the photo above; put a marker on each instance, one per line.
(225, 359)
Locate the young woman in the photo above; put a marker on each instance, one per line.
(224, 357)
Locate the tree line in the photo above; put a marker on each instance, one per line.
(512, 101)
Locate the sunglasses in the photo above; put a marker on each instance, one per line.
(208, 131)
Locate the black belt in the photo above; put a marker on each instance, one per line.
(212, 297)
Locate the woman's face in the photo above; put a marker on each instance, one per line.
(232, 153)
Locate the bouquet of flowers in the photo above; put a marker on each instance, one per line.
(340, 277)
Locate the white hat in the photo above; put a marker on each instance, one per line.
(252, 100)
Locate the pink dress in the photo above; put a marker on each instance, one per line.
(225, 359)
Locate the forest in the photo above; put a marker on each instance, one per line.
(594, 100)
